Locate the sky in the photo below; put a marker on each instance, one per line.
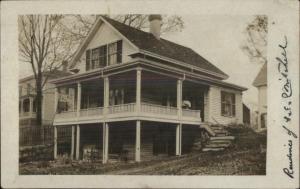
(218, 39)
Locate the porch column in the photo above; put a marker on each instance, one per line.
(30, 106)
(55, 99)
(55, 142)
(21, 111)
(77, 141)
(105, 142)
(178, 139)
(106, 95)
(179, 97)
(138, 141)
(138, 89)
(72, 142)
(78, 98)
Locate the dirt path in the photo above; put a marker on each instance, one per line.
(157, 167)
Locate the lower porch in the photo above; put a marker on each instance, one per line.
(125, 141)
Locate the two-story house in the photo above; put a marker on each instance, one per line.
(27, 95)
(137, 95)
(261, 83)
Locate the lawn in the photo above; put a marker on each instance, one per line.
(247, 156)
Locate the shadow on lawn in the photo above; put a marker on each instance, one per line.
(247, 156)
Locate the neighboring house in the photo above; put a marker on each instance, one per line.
(136, 95)
(246, 115)
(27, 103)
(261, 83)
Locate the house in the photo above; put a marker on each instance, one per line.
(261, 83)
(136, 96)
(27, 104)
(246, 115)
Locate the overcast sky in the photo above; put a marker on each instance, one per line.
(218, 39)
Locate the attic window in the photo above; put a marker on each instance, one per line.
(105, 55)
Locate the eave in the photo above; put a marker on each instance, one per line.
(146, 65)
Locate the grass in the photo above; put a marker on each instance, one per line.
(247, 156)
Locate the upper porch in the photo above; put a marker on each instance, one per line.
(136, 93)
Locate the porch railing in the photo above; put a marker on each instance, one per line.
(66, 114)
(91, 112)
(191, 113)
(131, 107)
(27, 114)
(158, 109)
(121, 108)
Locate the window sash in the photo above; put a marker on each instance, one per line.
(227, 104)
(104, 55)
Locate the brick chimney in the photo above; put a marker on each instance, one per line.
(64, 66)
(155, 25)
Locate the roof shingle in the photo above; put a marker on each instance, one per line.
(146, 41)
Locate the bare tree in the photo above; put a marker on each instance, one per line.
(255, 45)
(45, 41)
(43, 46)
(81, 24)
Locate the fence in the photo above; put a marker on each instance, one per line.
(35, 135)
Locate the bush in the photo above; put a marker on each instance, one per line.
(246, 138)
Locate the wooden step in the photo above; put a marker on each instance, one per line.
(222, 138)
(216, 126)
(220, 145)
(212, 149)
(221, 135)
(221, 132)
(220, 142)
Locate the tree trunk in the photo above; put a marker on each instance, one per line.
(39, 98)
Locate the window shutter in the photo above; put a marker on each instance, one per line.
(119, 51)
(88, 60)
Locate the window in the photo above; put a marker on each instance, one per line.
(20, 90)
(20, 106)
(28, 88)
(26, 104)
(34, 105)
(116, 96)
(104, 55)
(88, 60)
(99, 57)
(227, 104)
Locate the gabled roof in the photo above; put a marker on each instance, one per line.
(145, 41)
(261, 78)
(52, 75)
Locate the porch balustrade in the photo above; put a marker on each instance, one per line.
(27, 114)
(91, 112)
(121, 108)
(158, 109)
(191, 113)
(66, 115)
(146, 108)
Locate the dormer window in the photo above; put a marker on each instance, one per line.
(105, 55)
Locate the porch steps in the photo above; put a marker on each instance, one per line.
(212, 149)
(224, 138)
(219, 140)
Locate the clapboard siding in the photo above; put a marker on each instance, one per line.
(214, 96)
(105, 35)
(206, 107)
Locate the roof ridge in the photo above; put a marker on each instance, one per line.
(161, 38)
